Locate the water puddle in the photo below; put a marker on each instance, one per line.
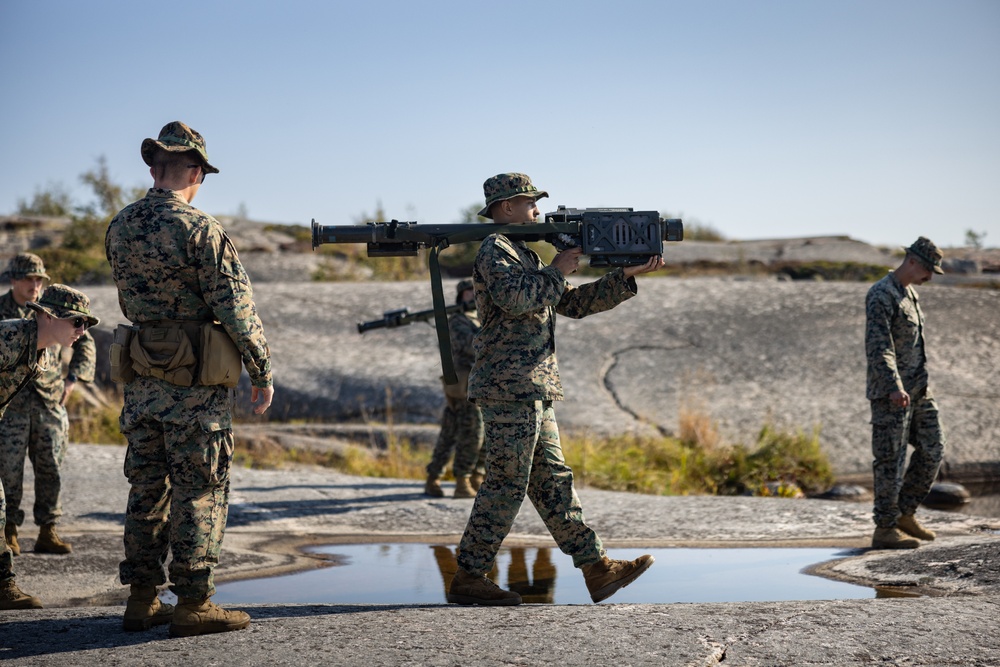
(421, 573)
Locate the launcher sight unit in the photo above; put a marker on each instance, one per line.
(610, 236)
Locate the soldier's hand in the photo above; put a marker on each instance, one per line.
(265, 395)
(900, 399)
(67, 390)
(568, 260)
(655, 263)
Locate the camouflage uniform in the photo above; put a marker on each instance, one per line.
(18, 366)
(461, 422)
(514, 381)
(35, 424)
(171, 261)
(894, 345)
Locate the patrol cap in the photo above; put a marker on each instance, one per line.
(25, 265)
(924, 250)
(176, 137)
(507, 186)
(61, 301)
(462, 286)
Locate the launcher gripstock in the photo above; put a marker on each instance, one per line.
(402, 316)
(610, 236)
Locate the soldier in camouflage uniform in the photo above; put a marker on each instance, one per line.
(461, 422)
(175, 267)
(514, 381)
(903, 408)
(35, 423)
(63, 316)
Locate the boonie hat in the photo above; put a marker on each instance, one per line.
(176, 137)
(61, 301)
(927, 254)
(507, 186)
(25, 265)
(462, 286)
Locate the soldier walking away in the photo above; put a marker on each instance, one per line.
(514, 381)
(35, 424)
(903, 408)
(63, 316)
(461, 421)
(177, 273)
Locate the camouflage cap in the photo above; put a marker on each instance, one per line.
(507, 186)
(62, 301)
(924, 250)
(176, 137)
(24, 265)
(462, 286)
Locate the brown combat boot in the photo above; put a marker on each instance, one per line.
(49, 542)
(144, 610)
(909, 525)
(433, 487)
(12, 597)
(606, 576)
(469, 589)
(477, 480)
(201, 616)
(893, 538)
(10, 534)
(463, 488)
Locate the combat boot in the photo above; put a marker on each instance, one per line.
(468, 589)
(477, 480)
(201, 616)
(144, 610)
(606, 576)
(893, 538)
(909, 525)
(463, 488)
(49, 542)
(10, 534)
(12, 597)
(433, 487)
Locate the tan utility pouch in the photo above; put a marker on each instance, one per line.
(221, 362)
(461, 388)
(164, 351)
(121, 355)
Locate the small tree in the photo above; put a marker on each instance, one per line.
(974, 239)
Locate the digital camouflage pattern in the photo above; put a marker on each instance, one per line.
(894, 339)
(35, 425)
(514, 380)
(62, 301)
(461, 422)
(894, 345)
(171, 261)
(24, 265)
(517, 298)
(893, 428)
(176, 137)
(524, 456)
(18, 364)
(507, 186)
(924, 250)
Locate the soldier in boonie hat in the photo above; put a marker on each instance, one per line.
(176, 137)
(25, 265)
(507, 186)
(464, 284)
(928, 254)
(62, 302)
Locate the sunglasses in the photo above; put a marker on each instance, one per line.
(79, 322)
(203, 172)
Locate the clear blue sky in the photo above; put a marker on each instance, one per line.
(874, 118)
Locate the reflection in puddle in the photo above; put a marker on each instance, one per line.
(421, 573)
